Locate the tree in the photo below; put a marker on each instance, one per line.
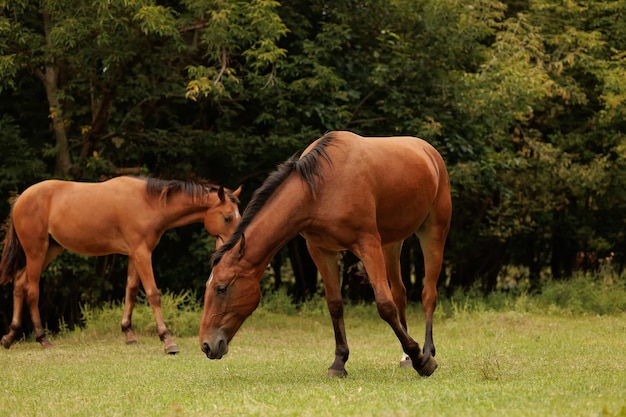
(525, 100)
(543, 100)
(113, 77)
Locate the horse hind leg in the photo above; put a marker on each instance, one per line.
(432, 242)
(31, 290)
(26, 286)
(398, 290)
(372, 256)
(18, 303)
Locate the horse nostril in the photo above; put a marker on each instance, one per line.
(205, 348)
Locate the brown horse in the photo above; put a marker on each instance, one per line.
(366, 195)
(124, 215)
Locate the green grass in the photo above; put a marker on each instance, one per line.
(491, 363)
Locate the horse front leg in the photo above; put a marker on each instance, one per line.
(373, 259)
(327, 264)
(132, 289)
(143, 262)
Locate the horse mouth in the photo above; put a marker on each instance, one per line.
(218, 352)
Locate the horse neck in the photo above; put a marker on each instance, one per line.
(183, 209)
(281, 219)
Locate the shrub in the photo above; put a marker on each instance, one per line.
(583, 294)
(181, 313)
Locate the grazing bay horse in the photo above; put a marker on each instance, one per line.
(346, 192)
(124, 215)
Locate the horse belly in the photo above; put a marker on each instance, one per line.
(90, 241)
(87, 231)
(326, 240)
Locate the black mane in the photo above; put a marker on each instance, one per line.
(164, 188)
(308, 167)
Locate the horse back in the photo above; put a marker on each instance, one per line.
(386, 168)
(392, 184)
(56, 199)
(80, 216)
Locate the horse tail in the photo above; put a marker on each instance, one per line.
(13, 256)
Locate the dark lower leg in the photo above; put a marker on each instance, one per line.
(18, 304)
(32, 298)
(155, 302)
(131, 338)
(132, 289)
(429, 345)
(326, 263)
(424, 365)
(429, 302)
(8, 339)
(342, 352)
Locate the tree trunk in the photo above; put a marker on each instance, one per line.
(49, 76)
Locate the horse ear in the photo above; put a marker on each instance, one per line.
(220, 193)
(237, 192)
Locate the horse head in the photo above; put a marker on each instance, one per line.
(221, 218)
(232, 294)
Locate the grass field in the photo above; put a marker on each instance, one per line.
(491, 363)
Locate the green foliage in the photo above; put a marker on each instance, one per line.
(584, 294)
(158, 20)
(239, 37)
(18, 158)
(525, 100)
(179, 270)
(180, 312)
(76, 276)
(278, 302)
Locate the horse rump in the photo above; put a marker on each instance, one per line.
(13, 256)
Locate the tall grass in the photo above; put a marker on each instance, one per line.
(181, 313)
(581, 295)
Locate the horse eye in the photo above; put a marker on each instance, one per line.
(221, 289)
(228, 219)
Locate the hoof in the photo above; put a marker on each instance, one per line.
(131, 342)
(337, 373)
(5, 342)
(428, 367)
(45, 343)
(171, 349)
(406, 363)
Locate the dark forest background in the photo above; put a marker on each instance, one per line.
(525, 99)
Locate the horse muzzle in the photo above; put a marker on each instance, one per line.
(215, 350)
